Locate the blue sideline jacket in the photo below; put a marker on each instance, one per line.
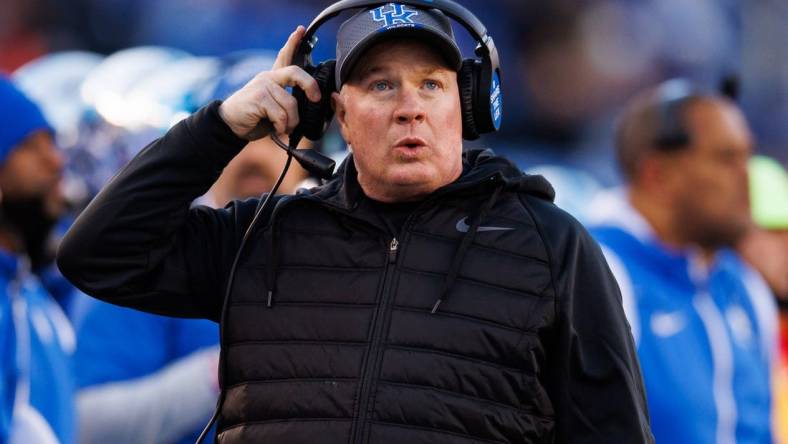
(44, 341)
(705, 337)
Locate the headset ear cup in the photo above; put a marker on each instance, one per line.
(467, 78)
(314, 117)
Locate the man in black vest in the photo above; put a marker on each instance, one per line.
(422, 295)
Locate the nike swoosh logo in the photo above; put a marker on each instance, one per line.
(463, 227)
(667, 324)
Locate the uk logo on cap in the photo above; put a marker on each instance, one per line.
(397, 15)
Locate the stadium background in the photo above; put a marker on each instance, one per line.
(568, 68)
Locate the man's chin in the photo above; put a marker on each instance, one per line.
(410, 181)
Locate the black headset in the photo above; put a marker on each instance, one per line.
(672, 97)
(479, 79)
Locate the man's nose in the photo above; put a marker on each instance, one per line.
(411, 107)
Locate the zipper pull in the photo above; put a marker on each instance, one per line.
(393, 250)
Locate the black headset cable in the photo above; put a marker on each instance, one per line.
(260, 210)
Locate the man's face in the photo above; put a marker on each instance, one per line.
(400, 113)
(32, 172)
(712, 198)
(254, 171)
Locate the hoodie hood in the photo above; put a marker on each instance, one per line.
(479, 164)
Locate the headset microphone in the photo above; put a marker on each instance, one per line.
(311, 160)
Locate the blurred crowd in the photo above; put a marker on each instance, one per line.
(568, 66)
(111, 76)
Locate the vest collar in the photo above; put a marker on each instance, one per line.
(479, 167)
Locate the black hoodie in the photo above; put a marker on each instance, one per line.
(490, 317)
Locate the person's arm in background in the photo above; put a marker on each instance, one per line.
(628, 301)
(142, 377)
(159, 408)
(595, 379)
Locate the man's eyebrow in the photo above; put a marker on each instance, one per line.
(367, 71)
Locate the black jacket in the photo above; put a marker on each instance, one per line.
(491, 317)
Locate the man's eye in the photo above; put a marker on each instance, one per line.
(380, 86)
(432, 84)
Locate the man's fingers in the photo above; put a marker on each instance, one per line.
(288, 103)
(275, 114)
(295, 76)
(285, 56)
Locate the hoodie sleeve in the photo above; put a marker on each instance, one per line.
(595, 379)
(139, 244)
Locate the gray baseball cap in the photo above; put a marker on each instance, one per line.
(370, 26)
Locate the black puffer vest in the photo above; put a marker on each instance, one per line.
(339, 332)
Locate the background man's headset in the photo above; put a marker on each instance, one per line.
(673, 95)
(479, 82)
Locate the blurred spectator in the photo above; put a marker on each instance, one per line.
(253, 172)
(703, 320)
(53, 82)
(41, 382)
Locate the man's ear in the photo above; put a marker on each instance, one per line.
(340, 112)
(659, 173)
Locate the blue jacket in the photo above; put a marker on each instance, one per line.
(705, 335)
(42, 373)
(7, 366)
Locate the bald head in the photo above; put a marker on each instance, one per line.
(652, 124)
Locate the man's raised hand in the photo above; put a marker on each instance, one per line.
(265, 100)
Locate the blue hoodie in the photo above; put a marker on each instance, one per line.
(706, 335)
(42, 372)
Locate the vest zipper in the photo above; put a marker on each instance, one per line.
(380, 323)
(393, 246)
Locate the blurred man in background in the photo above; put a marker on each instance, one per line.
(251, 173)
(704, 322)
(36, 365)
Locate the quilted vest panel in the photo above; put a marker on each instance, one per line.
(349, 351)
